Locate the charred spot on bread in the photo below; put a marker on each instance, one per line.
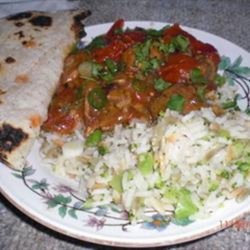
(2, 92)
(11, 138)
(19, 24)
(29, 44)
(20, 16)
(20, 34)
(10, 59)
(77, 26)
(41, 21)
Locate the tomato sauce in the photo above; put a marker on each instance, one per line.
(132, 74)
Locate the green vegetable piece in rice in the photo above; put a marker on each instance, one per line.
(213, 186)
(224, 133)
(225, 174)
(116, 183)
(185, 206)
(146, 163)
(94, 138)
(241, 148)
(171, 194)
(244, 166)
(102, 150)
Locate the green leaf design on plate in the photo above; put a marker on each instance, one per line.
(237, 75)
(42, 185)
(27, 171)
(72, 213)
(182, 222)
(17, 175)
(62, 211)
(59, 200)
(234, 67)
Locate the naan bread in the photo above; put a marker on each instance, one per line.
(33, 46)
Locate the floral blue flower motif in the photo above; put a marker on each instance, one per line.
(64, 189)
(97, 223)
(158, 222)
(101, 211)
(40, 185)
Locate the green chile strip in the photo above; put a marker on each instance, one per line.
(97, 98)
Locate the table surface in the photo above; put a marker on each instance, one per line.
(225, 18)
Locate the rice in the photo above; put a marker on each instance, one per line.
(194, 158)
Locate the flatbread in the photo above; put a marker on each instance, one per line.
(32, 52)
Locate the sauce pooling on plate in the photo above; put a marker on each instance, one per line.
(130, 74)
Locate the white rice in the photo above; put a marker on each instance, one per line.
(190, 152)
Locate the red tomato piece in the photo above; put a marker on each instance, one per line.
(112, 51)
(115, 49)
(196, 46)
(113, 30)
(178, 68)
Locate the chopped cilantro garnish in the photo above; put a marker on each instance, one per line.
(160, 84)
(106, 76)
(220, 80)
(139, 86)
(181, 43)
(156, 33)
(178, 43)
(97, 42)
(244, 166)
(142, 50)
(213, 186)
(197, 77)
(176, 103)
(167, 48)
(155, 63)
(144, 61)
(102, 150)
(225, 174)
(105, 72)
(201, 91)
(118, 31)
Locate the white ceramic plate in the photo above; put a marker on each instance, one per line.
(51, 201)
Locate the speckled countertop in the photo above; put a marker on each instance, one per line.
(228, 19)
